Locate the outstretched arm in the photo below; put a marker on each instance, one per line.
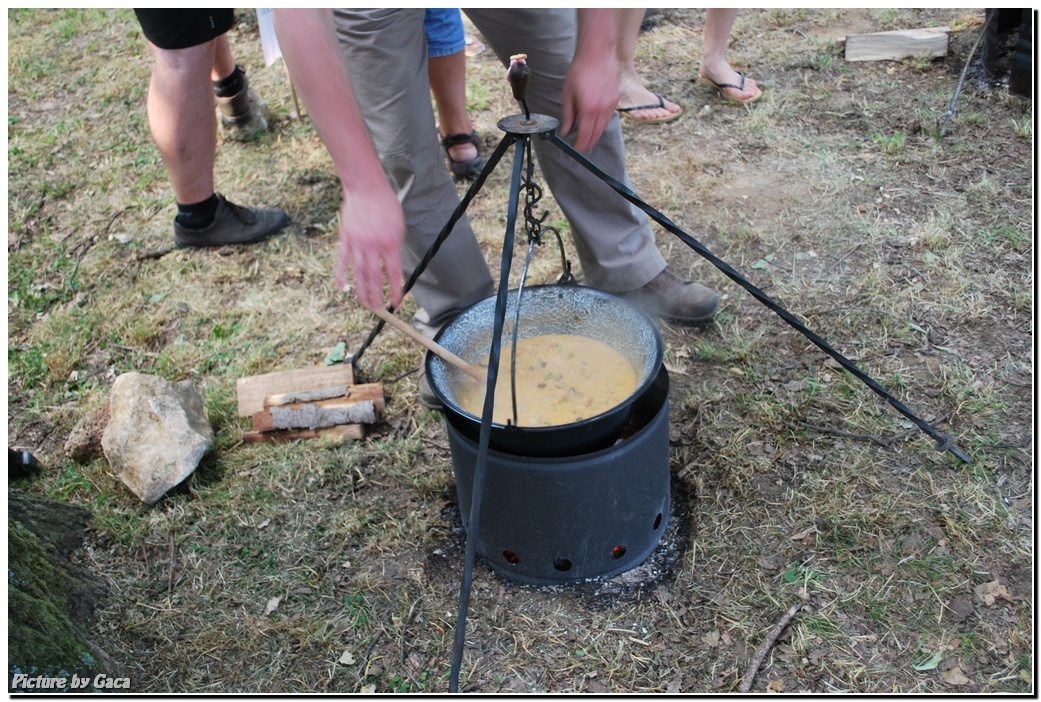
(372, 223)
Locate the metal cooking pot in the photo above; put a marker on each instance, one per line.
(549, 309)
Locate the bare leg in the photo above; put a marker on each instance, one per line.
(223, 61)
(631, 87)
(182, 119)
(447, 76)
(714, 65)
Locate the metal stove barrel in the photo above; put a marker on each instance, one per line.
(551, 521)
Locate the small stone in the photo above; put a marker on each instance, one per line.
(84, 443)
(960, 608)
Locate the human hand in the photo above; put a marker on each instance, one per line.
(372, 227)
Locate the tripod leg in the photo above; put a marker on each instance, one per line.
(460, 209)
(942, 442)
(457, 214)
(480, 469)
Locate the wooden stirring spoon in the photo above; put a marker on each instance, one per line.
(441, 351)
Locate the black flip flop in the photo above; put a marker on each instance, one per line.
(721, 87)
(657, 120)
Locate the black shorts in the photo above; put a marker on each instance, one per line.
(181, 29)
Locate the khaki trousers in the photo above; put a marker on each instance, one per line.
(385, 51)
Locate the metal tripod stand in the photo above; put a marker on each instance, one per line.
(519, 130)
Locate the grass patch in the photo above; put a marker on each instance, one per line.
(893, 144)
(1023, 127)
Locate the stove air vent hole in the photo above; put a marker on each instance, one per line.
(657, 522)
(510, 557)
(562, 564)
(617, 552)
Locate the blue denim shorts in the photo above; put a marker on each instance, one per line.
(444, 30)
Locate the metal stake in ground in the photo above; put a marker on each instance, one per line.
(961, 80)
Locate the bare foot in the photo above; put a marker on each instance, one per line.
(462, 152)
(474, 46)
(728, 76)
(633, 94)
(459, 152)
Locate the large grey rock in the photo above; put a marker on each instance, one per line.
(157, 433)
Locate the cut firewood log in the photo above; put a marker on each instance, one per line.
(288, 398)
(343, 432)
(362, 405)
(253, 389)
(314, 415)
(901, 44)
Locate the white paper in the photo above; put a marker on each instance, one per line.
(268, 40)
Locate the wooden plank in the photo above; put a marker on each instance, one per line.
(900, 44)
(253, 389)
(362, 405)
(342, 432)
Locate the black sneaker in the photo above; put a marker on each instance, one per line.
(232, 225)
(670, 297)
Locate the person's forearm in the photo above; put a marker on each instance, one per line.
(312, 55)
(597, 32)
(591, 87)
(372, 223)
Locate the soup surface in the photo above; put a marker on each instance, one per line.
(561, 378)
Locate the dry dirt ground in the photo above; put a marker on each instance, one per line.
(318, 567)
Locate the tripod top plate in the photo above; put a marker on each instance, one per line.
(536, 124)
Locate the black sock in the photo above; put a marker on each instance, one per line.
(226, 87)
(198, 215)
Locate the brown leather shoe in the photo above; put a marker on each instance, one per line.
(244, 115)
(670, 297)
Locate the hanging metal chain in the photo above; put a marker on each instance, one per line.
(533, 225)
(532, 195)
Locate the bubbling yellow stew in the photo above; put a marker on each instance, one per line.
(561, 378)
